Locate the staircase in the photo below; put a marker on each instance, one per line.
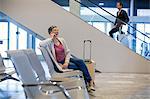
(39, 15)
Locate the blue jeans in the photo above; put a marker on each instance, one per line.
(78, 64)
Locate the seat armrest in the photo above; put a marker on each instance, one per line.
(61, 87)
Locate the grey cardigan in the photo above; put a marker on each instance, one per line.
(49, 44)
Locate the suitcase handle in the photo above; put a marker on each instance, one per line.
(87, 41)
(84, 49)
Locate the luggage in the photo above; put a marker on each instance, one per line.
(91, 66)
(87, 47)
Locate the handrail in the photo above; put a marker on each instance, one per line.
(108, 19)
(118, 18)
(94, 11)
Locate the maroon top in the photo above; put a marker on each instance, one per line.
(60, 52)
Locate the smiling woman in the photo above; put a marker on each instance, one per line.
(61, 56)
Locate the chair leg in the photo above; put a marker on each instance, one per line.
(9, 77)
(13, 78)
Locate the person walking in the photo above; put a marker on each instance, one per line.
(121, 19)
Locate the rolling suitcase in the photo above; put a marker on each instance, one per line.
(87, 47)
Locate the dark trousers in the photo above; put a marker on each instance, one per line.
(78, 64)
(115, 29)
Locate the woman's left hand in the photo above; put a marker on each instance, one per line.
(65, 65)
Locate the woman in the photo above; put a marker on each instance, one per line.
(62, 56)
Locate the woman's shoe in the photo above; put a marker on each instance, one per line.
(90, 88)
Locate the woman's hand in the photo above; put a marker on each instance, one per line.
(60, 65)
(65, 65)
(52, 35)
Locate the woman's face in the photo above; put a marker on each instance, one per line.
(55, 32)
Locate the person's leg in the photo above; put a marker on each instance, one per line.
(120, 30)
(114, 30)
(73, 66)
(79, 64)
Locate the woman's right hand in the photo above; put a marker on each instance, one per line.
(52, 35)
(63, 66)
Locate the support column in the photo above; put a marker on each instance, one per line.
(75, 7)
(33, 42)
(133, 12)
(131, 7)
(29, 40)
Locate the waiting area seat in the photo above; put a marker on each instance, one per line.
(6, 72)
(68, 82)
(53, 69)
(26, 60)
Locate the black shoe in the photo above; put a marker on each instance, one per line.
(122, 32)
(97, 71)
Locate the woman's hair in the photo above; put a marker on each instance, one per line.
(51, 28)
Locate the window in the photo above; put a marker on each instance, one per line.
(147, 31)
(3, 30)
(125, 28)
(141, 47)
(37, 50)
(100, 26)
(13, 41)
(140, 27)
(66, 8)
(86, 11)
(108, 28)
(22, 39)
(90, 23)
(103, 26)
(143, 12)
(3, 38)
(18, 38)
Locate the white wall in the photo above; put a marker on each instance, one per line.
(109, 55)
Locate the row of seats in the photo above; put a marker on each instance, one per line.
(6, 72)
(67, 84)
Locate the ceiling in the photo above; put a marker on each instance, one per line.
(140, 4)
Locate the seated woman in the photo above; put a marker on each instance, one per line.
(62, 56)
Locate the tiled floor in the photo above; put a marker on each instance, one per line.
(122, 86)
(11, 90)
(108, 86)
